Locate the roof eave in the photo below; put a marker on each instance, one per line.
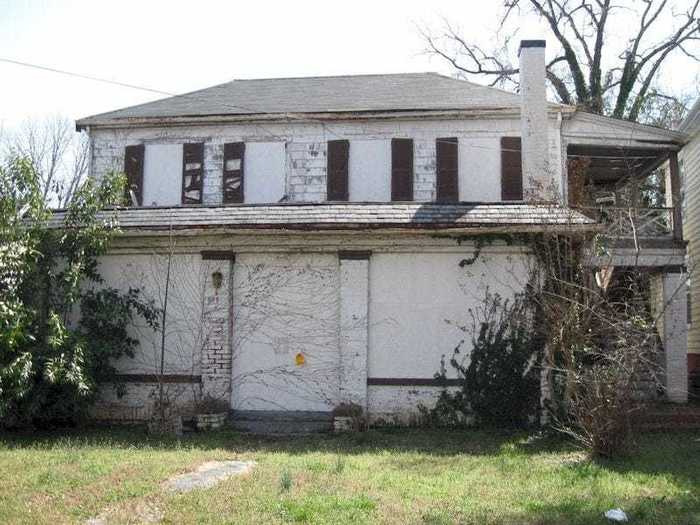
(628, 129)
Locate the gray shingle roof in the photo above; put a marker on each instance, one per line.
(350, 216)
(359, 93)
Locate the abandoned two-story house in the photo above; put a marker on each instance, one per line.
(311, 233)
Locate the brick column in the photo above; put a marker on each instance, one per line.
(354, 334)
(675, 336)
(216, 358)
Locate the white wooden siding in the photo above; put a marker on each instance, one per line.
(690, 159)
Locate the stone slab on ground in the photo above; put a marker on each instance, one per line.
(208, 474)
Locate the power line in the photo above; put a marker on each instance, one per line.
(86, 77)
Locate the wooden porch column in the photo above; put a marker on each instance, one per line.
(675, 180)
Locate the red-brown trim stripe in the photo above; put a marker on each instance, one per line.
(350, 255)
(214, 255)
(155, 378)
(411, 381)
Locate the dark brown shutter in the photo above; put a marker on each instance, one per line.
(511, 169)
(337, 173)
(447, 172)
(192, 171)
(234, 154)
(402, 169)
(133, 167)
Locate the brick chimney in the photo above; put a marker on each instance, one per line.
(537, 180)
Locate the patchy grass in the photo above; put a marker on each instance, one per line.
(399, 476)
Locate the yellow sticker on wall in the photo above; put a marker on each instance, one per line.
(300, 359)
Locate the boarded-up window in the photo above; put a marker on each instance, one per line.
(447, 154)
(192, 173)
(511, 169)
(234, 154)
(402, 170)
(337, 173)
(133, 167)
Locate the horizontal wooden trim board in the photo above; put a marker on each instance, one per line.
(155, 378)
(411, 381)
(213, 255)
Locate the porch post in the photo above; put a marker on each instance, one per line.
(216, 358)
(675, 336)
(675, 180)
(354, 327)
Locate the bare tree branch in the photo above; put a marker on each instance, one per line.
(590, 70)
(58, 154)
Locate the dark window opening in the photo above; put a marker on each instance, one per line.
(447, 160)
(402, 169)
(337, 170)
(234, 154)
(192, 173)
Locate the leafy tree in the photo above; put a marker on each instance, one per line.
(51, 357)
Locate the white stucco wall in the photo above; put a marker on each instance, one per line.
(183, 324)
(162, 175)
(392, 316)
(184, 330)
(419, 301)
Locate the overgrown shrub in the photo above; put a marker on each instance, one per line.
(499, 381)
(600, 345)
(51, 360)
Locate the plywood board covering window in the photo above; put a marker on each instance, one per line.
(192, 173)
(337, 170)
(447, 159)
(402, 169)
(234, 154)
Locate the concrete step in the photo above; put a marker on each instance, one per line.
(282, 421)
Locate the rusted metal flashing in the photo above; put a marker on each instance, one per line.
(411, 381)
(354, 255)
(155, 378)
(218, 255)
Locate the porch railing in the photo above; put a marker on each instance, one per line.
(635, 223)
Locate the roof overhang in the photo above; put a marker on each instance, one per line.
(584, 128)
(609, 164)
(397, 218)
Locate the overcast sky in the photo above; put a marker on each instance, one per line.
(180, 46)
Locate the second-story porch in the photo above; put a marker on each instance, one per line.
(635, 194)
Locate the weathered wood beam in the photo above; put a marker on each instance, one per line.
(676, 195)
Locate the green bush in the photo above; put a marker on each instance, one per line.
(50, 359)
(499, 379)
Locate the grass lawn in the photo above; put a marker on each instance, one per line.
(393, 476)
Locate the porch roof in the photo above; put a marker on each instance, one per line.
(347, 216)
(606, 164)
